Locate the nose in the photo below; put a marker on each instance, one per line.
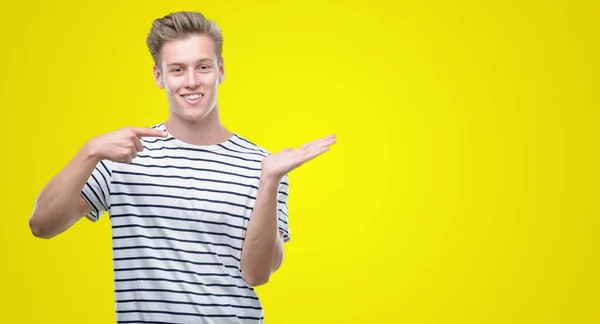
(192, 80)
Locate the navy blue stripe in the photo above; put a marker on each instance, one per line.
(173, 249)
(185, 293)
(177, 240)
(199, 150)
(187, 188)
(256, 147)
(90, 203)
(195, 169)
(196, 159)
(281, 210)
(105, 180)
(184, 314)
(247, 148)
(250, 318)
(187, 282)
(245, 140)
(184, 303)
(179, 271)
(159, 322)
(284, 230)
(175, 229)
(100, 187)
(193, 178)
(158, 140)
(143, 322)
(187, 178)
(95, 194)
(179, 197)
(182, 208)
(176, 218)
(263, 155)
(281, 219)
(105, 168)
(179, 261)
(218, 263)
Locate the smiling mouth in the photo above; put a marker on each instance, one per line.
(193, 98)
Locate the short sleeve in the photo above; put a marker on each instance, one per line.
(96, 190)
(282, 208)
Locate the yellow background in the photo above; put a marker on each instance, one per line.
(463, 188)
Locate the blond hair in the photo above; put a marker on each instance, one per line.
(178, 25)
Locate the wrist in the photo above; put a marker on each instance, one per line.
(90, 152)
(268, 180)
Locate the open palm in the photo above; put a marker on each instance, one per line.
(288, 159)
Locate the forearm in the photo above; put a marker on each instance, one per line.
(263, 247)
(58, 205)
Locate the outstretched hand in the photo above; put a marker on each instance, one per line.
(288, 159)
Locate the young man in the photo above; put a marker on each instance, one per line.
(198, 213)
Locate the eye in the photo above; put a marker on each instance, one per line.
(204, 67)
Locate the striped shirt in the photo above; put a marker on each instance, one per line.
(179, 214)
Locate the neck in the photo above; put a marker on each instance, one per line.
(207, 131)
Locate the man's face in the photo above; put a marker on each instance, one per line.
(190, 74)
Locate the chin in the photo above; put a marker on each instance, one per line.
(194, 114)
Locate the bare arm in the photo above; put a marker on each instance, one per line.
(262, 252)
(60, 205)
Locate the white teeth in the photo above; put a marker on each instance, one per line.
(192, 97)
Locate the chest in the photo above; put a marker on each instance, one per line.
(197, 200)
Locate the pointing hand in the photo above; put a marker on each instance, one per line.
(123, 144)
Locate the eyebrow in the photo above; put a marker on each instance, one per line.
(199, 61)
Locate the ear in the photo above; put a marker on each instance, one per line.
(158, 77)
(221, 71)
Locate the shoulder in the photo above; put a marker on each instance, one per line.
(246, 144)
(250, 145)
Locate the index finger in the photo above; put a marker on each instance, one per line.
(327, 138)
(149, 132)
